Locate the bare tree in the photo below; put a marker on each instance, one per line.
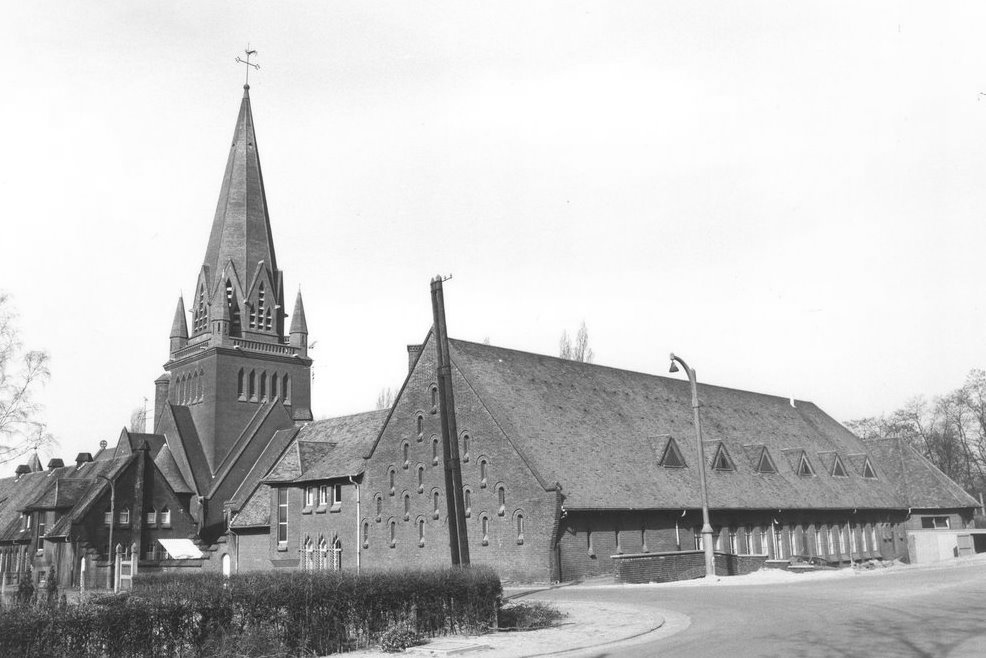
(385, 400)
(138, 419)
(578, 350)
(22, 372)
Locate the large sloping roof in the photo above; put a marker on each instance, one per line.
(600, 432)
(337, 445)
(918, 482)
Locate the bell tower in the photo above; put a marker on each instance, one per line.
(237, 360)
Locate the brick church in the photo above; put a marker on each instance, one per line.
(556, 470)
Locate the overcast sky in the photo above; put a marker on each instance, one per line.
(789, 195)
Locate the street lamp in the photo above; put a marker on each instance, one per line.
(710, 564)
(112, 557)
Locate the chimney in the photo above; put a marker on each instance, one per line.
(412, 355)
(83, 458)
(23, 469)
(54, 463)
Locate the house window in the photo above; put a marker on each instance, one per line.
(164, 518)
(336, 495)
(263, 387)
(366, 534)
(853, 546)
(467, 501)
(765, 465)
(323, 495)
(699, 540)
(309, 496)
(151, 517)
(434, 451)
(309, 555)
(282, 516)
(864, 538)
(732, 541)
(421, 532)
(421, 427)
(804, 466)
(643, 540)
(406, 452)
(42, 522)
(337, 555)
(240, 386)
(520, 528)
(436, 511)
(379, 504)
(501, 495)
(868, 471)
(721, 460)
(483, 468)
(252, 386)
(124, 518)
(830, 535)
(672, 457)
(876, 545)
(421, 478)
(935, 522)
(819, 549)
(407, 507)
(616, 540)
(286, 389)
(107, 517)
(465, 447)
(393, 533)
(273, 386)
(434, 398)
(485, 525)
(392, 476)
(764, 544)
(838, 469)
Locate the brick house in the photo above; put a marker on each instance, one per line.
(567, 469)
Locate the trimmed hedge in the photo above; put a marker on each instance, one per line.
(262, 614)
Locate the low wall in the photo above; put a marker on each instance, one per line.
(680, 565)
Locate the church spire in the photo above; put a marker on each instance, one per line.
(179, 328)
(241, 228)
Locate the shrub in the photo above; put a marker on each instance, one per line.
(397, 638)
(528, 616)
(269, 614)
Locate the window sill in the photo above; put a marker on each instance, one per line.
(282, 547)
(307, 510)
(336, 508)
(321, 509)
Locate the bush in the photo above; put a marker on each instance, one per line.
(398, 638)
(270, 614)
(528, 616)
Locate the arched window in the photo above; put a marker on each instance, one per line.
(263, 387)
(483, 472)
(393, 533)
(501, 498)
(201, 384)
(519, 523)
(467, 501)
(337, 555)
(421, 427)
(465, 447)
(234, 309)
(365, 539)
(407, 506)
(421, 532)
(268, 320)
(323, 553)
(273, 386)
(421, 478)
(434, 450)
(241, 384)
(484, 524)
(252, 386)
(286, 389)
(379, 505)
(434, 398)
(406, 452)
(436, 510)
(392, 478)
(201, 322)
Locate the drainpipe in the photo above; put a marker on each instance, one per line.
(359, 528)
(236, 540)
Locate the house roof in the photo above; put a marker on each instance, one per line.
(918, 482)
(256, 511)
(599, 432)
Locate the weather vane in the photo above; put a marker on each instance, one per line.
(248, 63)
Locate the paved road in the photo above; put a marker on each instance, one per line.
(908, 612)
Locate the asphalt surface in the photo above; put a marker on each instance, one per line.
(907, 612)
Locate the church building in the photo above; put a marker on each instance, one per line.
(557, 470)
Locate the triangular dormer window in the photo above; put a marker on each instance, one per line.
(721, 460)
(868, 471)
(804, 466)
(839, 469)
(672, 457)
(765, 465)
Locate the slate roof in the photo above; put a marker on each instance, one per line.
(335, 446)
(599, 432)
(256, 512)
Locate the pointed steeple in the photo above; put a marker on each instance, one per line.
(34, 463)
(241, 228)
(179, 328)
(299, 327)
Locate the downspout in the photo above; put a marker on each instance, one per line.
(236, 541)
(359, 528)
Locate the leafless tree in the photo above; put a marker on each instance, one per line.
(577, 350)
(385, 400)
(22, 373)
(138, 419)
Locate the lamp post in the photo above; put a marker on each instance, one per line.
(710, 564)
(112, 557)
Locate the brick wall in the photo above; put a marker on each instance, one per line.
(527, 558)
(680, 565)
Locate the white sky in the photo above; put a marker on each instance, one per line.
(786, 194)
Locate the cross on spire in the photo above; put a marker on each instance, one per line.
(248, 63)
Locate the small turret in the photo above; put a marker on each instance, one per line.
(179, 328)
(34, 463)
(299, 327)
(220, 323)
